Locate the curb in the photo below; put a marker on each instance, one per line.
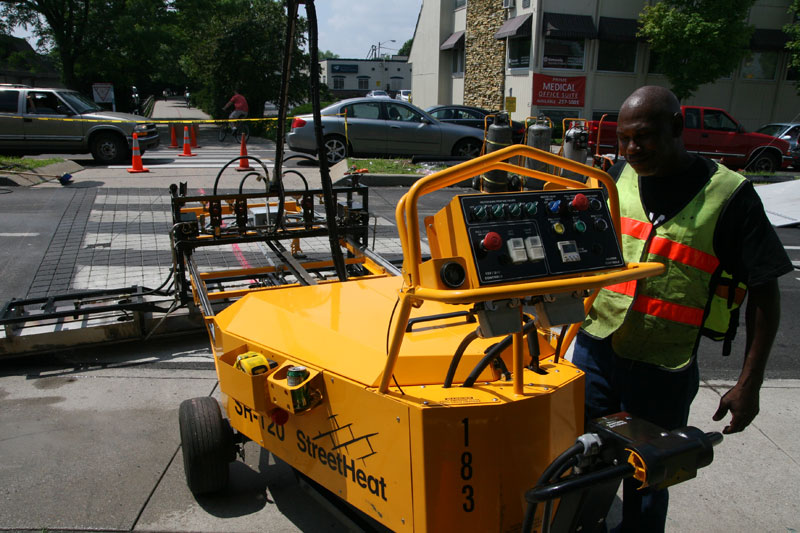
(390, 180)
(39, 175)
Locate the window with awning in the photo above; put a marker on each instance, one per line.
(565, 40)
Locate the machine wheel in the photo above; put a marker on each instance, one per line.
(222, 132)
(763, 162)
(337, 148)
(468, 148)
(109, 148)
(207, 442)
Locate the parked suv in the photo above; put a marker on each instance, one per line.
(35, 120)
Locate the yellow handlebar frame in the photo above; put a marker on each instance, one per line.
(407, 217)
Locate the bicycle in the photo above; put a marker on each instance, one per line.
(237, 130)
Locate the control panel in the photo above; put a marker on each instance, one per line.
(533, 234)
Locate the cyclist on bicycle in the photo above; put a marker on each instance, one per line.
(240, 107)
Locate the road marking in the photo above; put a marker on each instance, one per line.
(19, 234)
(792, 247)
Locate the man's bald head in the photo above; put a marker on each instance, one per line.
(656, 102)
(649, 130)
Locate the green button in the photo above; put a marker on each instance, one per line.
(580, 226)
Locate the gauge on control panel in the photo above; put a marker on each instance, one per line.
(569, 251)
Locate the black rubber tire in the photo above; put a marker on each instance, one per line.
(242, 129)
(223, 132)
(108, 147)
(207, 442)
(336, 147)
(764, 162)
(469, 148)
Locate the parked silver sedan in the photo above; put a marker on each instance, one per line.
(382, 127)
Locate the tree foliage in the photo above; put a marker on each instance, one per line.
(405, 50)
(696, 41)
(793, 31)
(239, 44)
(211, 46)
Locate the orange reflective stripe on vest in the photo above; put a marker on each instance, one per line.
(681, 253)
(669, 311)
(627, 287)
(635, 228)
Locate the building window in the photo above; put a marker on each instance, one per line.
(458, 61)
(793, 74)
(338, 82)
(563, 53)
(616, 57)
(760, 65)
(519, 52)
(363, 83)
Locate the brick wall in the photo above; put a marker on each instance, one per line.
(485, 55)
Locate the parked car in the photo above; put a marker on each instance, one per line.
(713, 133)
(404, 95)
(270, 109)
(788, 131)
(382, 127)
(106, 134)
(474, 117)
(378, 94)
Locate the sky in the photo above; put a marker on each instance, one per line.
(350, 28)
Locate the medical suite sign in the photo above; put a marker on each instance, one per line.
(558, 91)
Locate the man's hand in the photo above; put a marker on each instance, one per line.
(743, 403)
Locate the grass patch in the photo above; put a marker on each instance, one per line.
(393, 166)
(25, 163)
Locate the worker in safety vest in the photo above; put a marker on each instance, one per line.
(638, 343)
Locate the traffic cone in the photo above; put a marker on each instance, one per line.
(172, 136)
(193, 135)
(136, 165)
(187, 148)
(243, 162)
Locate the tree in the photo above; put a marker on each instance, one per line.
(64, 23)
(696, 41)
(239, 44)
(793, 31)
(405, 50)
(327, 54)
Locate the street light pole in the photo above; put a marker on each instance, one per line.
(379, 47)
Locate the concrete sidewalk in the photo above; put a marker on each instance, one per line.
(90, 443)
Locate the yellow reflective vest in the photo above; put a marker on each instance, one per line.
(658, 320)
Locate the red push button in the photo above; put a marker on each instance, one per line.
(492, 241)
(579, 203)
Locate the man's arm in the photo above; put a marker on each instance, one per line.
(762, 317)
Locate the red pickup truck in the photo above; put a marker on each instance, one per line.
(713, 133)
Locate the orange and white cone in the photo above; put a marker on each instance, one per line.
(193, 135)
(187, 147)
(172, 137)
(243, 162)
(136, 164)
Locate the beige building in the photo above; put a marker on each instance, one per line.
(347, 78)
(580, 59)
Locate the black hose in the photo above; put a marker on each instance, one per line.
(305, 182)
(493, 352)
(558, 344)
(324, 171)
(556, 467)
(241, 183)
(451, 371)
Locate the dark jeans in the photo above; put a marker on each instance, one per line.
(614, 384)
